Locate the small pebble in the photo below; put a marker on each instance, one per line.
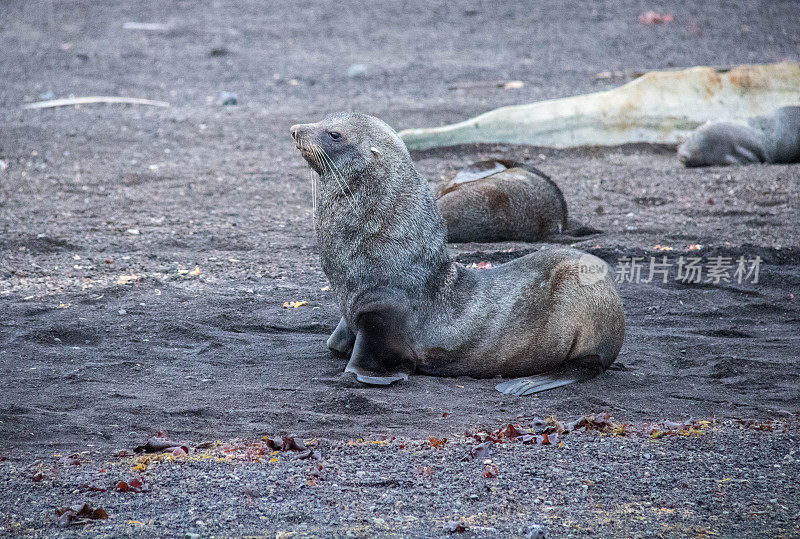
(535, 531)
(455, 527)
(228, 98)
(357, 71)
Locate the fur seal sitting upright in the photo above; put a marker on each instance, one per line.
(762, 139)
(407, 307)
(501, 200)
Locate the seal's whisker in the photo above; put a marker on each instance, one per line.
(352, 196)
(318, 158)
(340, 180)
(314, 151)
(301, 144)
(314, 190)
(313, 198)
(343, 185)
(325, 162)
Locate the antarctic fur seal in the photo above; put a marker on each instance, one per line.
(501, 200)
(762, 139)
(407, 307)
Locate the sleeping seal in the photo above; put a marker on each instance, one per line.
(407, 307)
(501, 200)
(762, 139)
(505, 200)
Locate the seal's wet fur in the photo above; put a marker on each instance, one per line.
(763, 139)
(407, 307)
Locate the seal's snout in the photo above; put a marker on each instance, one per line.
(299, 134)
(684, 153)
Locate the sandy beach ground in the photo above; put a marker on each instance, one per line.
(146, 254)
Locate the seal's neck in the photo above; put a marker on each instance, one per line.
(381, 226)
(367, 187)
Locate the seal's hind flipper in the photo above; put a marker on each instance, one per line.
(533, 384)
(582, 369)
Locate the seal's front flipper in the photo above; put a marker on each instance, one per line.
(533, 384)
(341, 340)
(373, 362)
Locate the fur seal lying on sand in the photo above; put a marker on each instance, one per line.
(499, 200)
(407, 307)
(762, 139)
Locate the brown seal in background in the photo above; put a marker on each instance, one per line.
(500, 200)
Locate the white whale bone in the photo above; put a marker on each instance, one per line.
(658, 107)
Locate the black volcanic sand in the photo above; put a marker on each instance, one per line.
(146, 253)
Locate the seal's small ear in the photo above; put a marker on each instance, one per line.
(375, 151)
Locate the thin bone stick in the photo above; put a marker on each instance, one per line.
(66, 102)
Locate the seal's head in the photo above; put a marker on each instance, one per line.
(349, 143)
(722, 143)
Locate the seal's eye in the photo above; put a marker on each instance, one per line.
(335, 135)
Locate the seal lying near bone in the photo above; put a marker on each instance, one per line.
(762, 139)
(408, 308)
(500, 200)
(504, 200)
